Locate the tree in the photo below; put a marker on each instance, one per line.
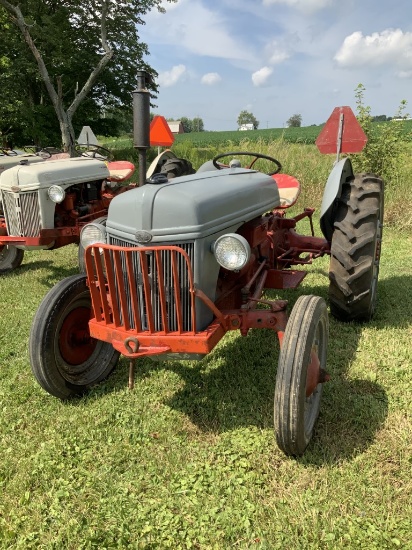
(187, 124)
(197, 125)
(379, 118)
(247, 118)
(56, 73)
(295, 121)
(190, 125)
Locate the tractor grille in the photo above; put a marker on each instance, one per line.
(22, 214)
(156, 283)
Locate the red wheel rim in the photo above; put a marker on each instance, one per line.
(75, 343)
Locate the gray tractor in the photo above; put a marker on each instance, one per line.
(178, 262)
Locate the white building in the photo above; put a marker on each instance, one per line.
(246, 127)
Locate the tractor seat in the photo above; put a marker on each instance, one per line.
(120, 170)
(289, 189)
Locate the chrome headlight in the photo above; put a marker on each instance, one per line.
(232, 251)
(92, 233)
(56, 193)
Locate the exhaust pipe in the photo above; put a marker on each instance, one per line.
(141, 122)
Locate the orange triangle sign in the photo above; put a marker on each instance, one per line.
(160, 133)
(341, 129)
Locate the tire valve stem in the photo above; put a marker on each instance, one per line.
(131, 374)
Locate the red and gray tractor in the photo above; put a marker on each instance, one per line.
(46, 198)
(179, 262)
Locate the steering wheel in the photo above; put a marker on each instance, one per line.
(243, 153)
(31, 149)
(43, 152)
(9, 152)
(47, 152)
(94, 151)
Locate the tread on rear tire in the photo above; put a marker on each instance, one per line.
(174, 168)
(356, 249)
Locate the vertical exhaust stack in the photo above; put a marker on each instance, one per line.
(141, 122)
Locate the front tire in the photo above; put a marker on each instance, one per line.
(356, 249)
(64, 359)
(301, 367)
(10, 258)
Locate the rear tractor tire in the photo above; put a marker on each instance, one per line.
(10, 258)
(174, 168)
(356, 249)
(65, 360)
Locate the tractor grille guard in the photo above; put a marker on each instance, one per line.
(143, 300)
(22, 214)
(142, 289)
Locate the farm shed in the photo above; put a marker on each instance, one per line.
(176, 127)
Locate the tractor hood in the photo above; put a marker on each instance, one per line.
(8, 161)
(52, 172)
(191, 207)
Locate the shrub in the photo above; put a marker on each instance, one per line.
(383, 152)
(388, 154)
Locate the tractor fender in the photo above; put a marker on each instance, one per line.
(158, 162)
(333, 190)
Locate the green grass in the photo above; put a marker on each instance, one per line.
(188, 459)
(301, 135)
(301, 160)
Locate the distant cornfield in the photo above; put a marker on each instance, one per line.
(295, 149)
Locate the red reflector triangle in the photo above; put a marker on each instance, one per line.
(353, 137)
(160, 133)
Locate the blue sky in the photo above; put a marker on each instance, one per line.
(276, 58)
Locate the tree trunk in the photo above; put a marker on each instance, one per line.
(68, 137)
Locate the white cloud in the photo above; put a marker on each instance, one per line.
(304, 5)
(276, 53)
(390, 47)
(404, 74)
(260, 77)
(211, 78)
(172, 77)
(171, 5)
(199, 30)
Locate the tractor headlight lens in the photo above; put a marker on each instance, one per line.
(231, 251)
(56, 193)
(92, 233)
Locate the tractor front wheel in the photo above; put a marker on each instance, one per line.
(301, 371)
(356, 249)
(65, 359)
(10, 258)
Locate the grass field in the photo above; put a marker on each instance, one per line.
(188, 459)
(301, 160)
(302, 135)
